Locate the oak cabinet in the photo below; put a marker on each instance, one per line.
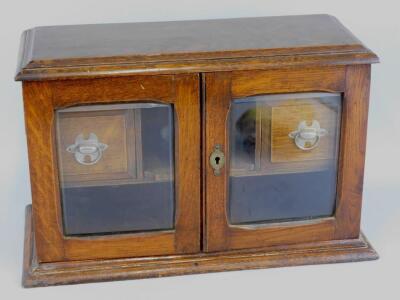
(232, 144)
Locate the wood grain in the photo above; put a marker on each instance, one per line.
(286, 80)
(44, 274)
(216, 116)
(113, 128)
(166, 41)
(199, 68)
(188, 212)
(39, 118)
(68, 93)
(352, 151)
(188, 46)
(43, 98)
(286, 118)
(221, 89)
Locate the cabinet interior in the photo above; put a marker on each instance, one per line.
(270, 178)
(129, 184)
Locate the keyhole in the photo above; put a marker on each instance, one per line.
(217, 160)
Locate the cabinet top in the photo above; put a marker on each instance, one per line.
(74, 51)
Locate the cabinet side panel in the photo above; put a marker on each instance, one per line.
(39, 121)
(352, 151)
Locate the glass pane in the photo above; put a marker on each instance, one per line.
(116, 168)
(283, 157)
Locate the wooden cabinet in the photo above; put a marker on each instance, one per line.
(229, 145)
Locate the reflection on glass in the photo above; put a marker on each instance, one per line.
(243, 135)
(283, 157)
(116, 168)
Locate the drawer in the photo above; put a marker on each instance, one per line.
(96, 147)
(303, 131)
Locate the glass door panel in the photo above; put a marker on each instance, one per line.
(116, 168)
(283, 157)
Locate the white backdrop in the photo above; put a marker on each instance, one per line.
(376, 23)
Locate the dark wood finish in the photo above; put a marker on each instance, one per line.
(44, 274)
(221, 88)
(42, 98)
(189, 46)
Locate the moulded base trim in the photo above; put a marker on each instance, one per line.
(44, 274)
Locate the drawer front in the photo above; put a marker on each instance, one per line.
(303, 131)
(96, 147)
(285, 133)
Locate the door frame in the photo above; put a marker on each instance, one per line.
(42, 98)
(221, 88)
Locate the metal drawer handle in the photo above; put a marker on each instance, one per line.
(87, 152)
(308, 137)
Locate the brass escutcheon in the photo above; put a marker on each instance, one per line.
(217, 159)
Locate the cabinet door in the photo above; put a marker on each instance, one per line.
(109, 160)
(284, 156)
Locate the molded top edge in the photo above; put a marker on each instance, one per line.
(53, 50)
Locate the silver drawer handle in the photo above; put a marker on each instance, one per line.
(307, 137)
(87, 152)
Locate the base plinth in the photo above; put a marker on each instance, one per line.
(57, 273)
